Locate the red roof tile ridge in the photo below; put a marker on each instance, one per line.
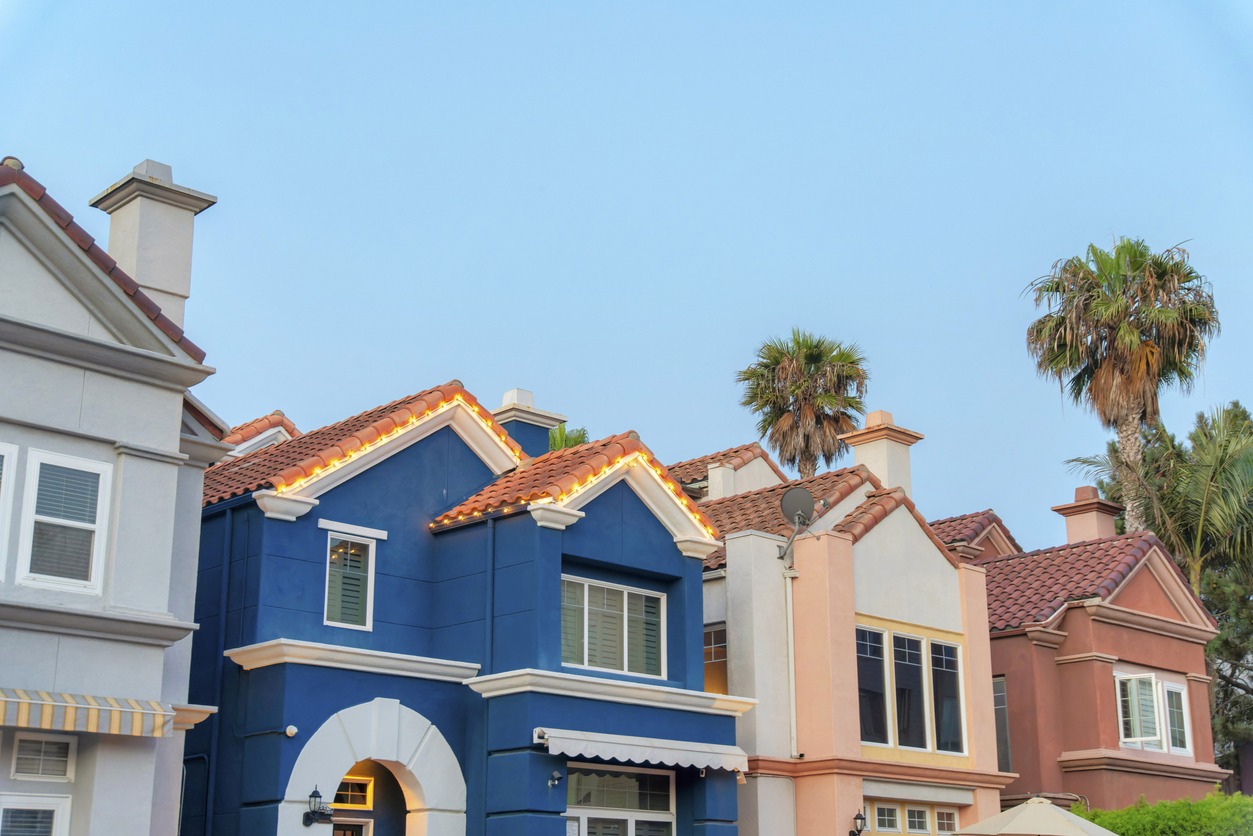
(100, 258)
(251, 429)
(1135, 536)
(969, 527)
(693, 470)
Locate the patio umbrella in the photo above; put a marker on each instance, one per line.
(1036, 817)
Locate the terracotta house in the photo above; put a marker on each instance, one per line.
(1098, 661)
(869, 689)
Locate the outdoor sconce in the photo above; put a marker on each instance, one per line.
(319, 813)
(859, 824)
(555, 780)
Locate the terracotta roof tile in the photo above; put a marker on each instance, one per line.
(875, 509)
(759, 510)
(1031, 588)
(557, 473)
(251, 429)
(966, 528)
(85, 242)
(305, 455)
(696, 470)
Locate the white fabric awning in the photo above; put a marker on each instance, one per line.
(624, 747)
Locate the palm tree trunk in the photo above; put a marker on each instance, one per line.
(1132, 450)
(807, 464)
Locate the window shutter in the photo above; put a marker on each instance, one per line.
(347, 583)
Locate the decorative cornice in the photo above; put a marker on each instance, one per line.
(700, 547)
(1086, 657)
(294, 652)
(1044, 637)
(136, 629)
(548, 515)
(529, 680)
(136, 185)
(887, 770)
(528, 415)
(286, 507)
(1107, 613)
(186, 716)
(151, 453)
(1197, 677)
(1141, 763)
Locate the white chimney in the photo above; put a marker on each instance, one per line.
(883, 448)
(150, 232)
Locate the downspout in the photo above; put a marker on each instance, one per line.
(488, 629)
(790, 574)
(219, 667)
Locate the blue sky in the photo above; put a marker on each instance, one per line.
(614, 204)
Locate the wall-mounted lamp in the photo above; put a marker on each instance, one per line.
(859, 824)
(318, 813)
(555, 780)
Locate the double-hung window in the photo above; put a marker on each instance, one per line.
(34, 815)
(1152, 713)
(350, 581)
(65, 509)
(920, 690)
(615, 628)
(1000, 711)
(617, 801)
(716, 658)
(44, 757)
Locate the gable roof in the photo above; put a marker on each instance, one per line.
(697, 470)
(877, 507)
(557, 475)
(251, 429)
(966, 528)
(306, 456)
(1034, 587)
(63, 219)
(759, 510)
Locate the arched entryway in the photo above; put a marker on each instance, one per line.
(396, 737)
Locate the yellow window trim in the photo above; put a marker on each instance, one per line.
(369, 793)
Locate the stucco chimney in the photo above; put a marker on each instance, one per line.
(525, 424)
(150, 232)
(883, 447)
(1089, 517)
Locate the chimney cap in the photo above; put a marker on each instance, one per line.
(879, 425)
(519, 405)
(155, 180)
(1088, 498)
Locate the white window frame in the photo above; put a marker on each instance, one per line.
(895, 808)
(625, 626)
(368, 627)
(961, 696)
(59, 804)
(926, 815)
(1161, 741)
(8, 454)
(582, 814)
(889, 698)
(104, 470)
(956, 820)
(67, 778)
(367, 825)
(928, 732)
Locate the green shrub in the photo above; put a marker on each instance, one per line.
(1214, 815)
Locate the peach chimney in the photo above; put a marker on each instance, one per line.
(1089, 517)
(883, 448)
(150, 232)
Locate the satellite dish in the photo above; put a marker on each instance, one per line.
(797, 502)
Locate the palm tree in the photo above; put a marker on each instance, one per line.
(1119, 326)
(806, 391)
(560, 438)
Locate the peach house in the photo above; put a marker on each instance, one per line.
(1098, 661)
(866, 647)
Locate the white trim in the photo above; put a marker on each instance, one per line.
(67, 778)
(367, 824)
(58, 804)
(529, 680)
(99, 529)
(294, 652)
(368, 626)
(557, 517)
(1168, 687)
(956, 820)
(352, 530)
(8, 456)
(626, 650)
(1161, 741)
(889, 715)
(581, 813)
(926, 812)
(285, 507)
(895, 809)
(630, 748)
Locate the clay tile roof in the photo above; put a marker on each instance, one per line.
(1031, 588)
(555, 474)
(307, 454)
(251, 429)
(99, 257)
(966, 528)
(696, 470)
(759, 510)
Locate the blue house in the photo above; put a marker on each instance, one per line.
(442, 628)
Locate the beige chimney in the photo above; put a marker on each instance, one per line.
(150, 232)
(1089, 517)
(883, 447)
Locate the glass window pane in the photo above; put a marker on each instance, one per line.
(871, 690)
(916, 821)
(67, 494)
(607, 827)
(62, 552)
(910, 712)
(605, 619)
(348, 582)
(1000, 708)
(572, 623)
(46, 758)
(643, 634)
(653, 828)
(26, 822)
(1175, 716)
(946, 698)
(945, 821)
(886, 818)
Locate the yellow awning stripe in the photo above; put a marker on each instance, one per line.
(85, 713)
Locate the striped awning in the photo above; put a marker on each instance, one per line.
(651, 750)
(55, 711)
